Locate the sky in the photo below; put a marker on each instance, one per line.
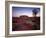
(18, 11)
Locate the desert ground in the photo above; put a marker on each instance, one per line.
(25, 23)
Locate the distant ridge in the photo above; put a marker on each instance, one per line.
(23, 16)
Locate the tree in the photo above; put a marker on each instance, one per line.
(35, 11)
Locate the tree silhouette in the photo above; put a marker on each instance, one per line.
(35, 11)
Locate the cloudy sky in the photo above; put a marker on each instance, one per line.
(18, 11)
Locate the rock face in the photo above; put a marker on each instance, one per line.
(25, 23)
